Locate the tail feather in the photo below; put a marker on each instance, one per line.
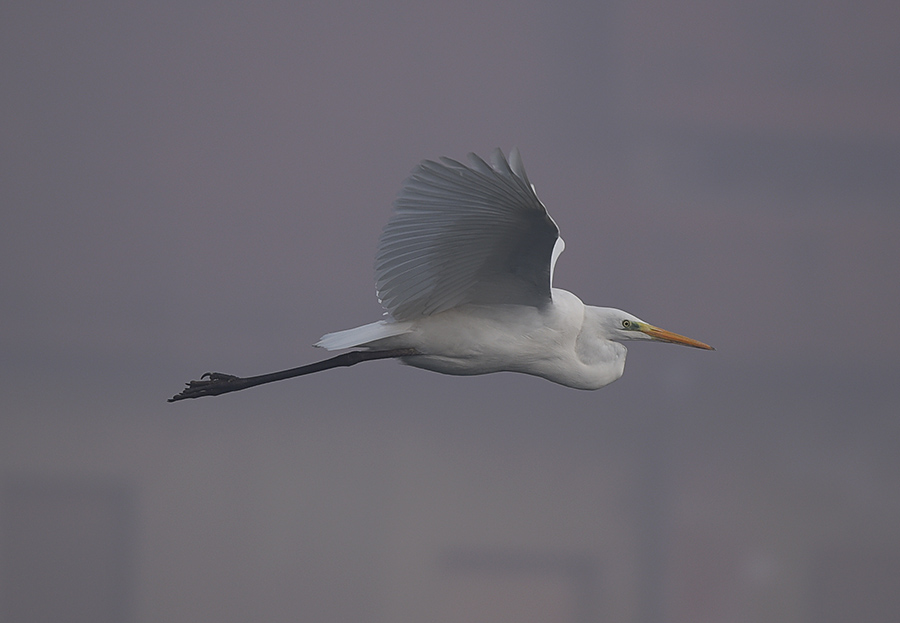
(362, 336)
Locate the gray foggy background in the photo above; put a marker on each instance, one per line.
(195, 186)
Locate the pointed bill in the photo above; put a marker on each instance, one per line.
(667, 336)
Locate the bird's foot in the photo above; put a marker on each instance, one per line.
(210, 384)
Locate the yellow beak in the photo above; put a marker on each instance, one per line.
(667, 336)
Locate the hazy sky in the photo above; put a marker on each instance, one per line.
(197, 182)
(196, 186)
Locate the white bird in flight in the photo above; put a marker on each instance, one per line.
(465, 270)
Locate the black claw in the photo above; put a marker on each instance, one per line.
(210, 384)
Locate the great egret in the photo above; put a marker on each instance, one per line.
(464, 269)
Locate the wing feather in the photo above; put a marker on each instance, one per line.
(474, 233)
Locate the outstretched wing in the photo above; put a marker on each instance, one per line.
(460, 234)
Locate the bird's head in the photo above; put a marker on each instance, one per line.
(619, 326)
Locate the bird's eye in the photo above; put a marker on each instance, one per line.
(626, 324)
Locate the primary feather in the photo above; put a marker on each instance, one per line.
(466, 234)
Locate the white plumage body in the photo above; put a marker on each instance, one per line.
(551, 342)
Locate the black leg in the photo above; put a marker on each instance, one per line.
(216, 383)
